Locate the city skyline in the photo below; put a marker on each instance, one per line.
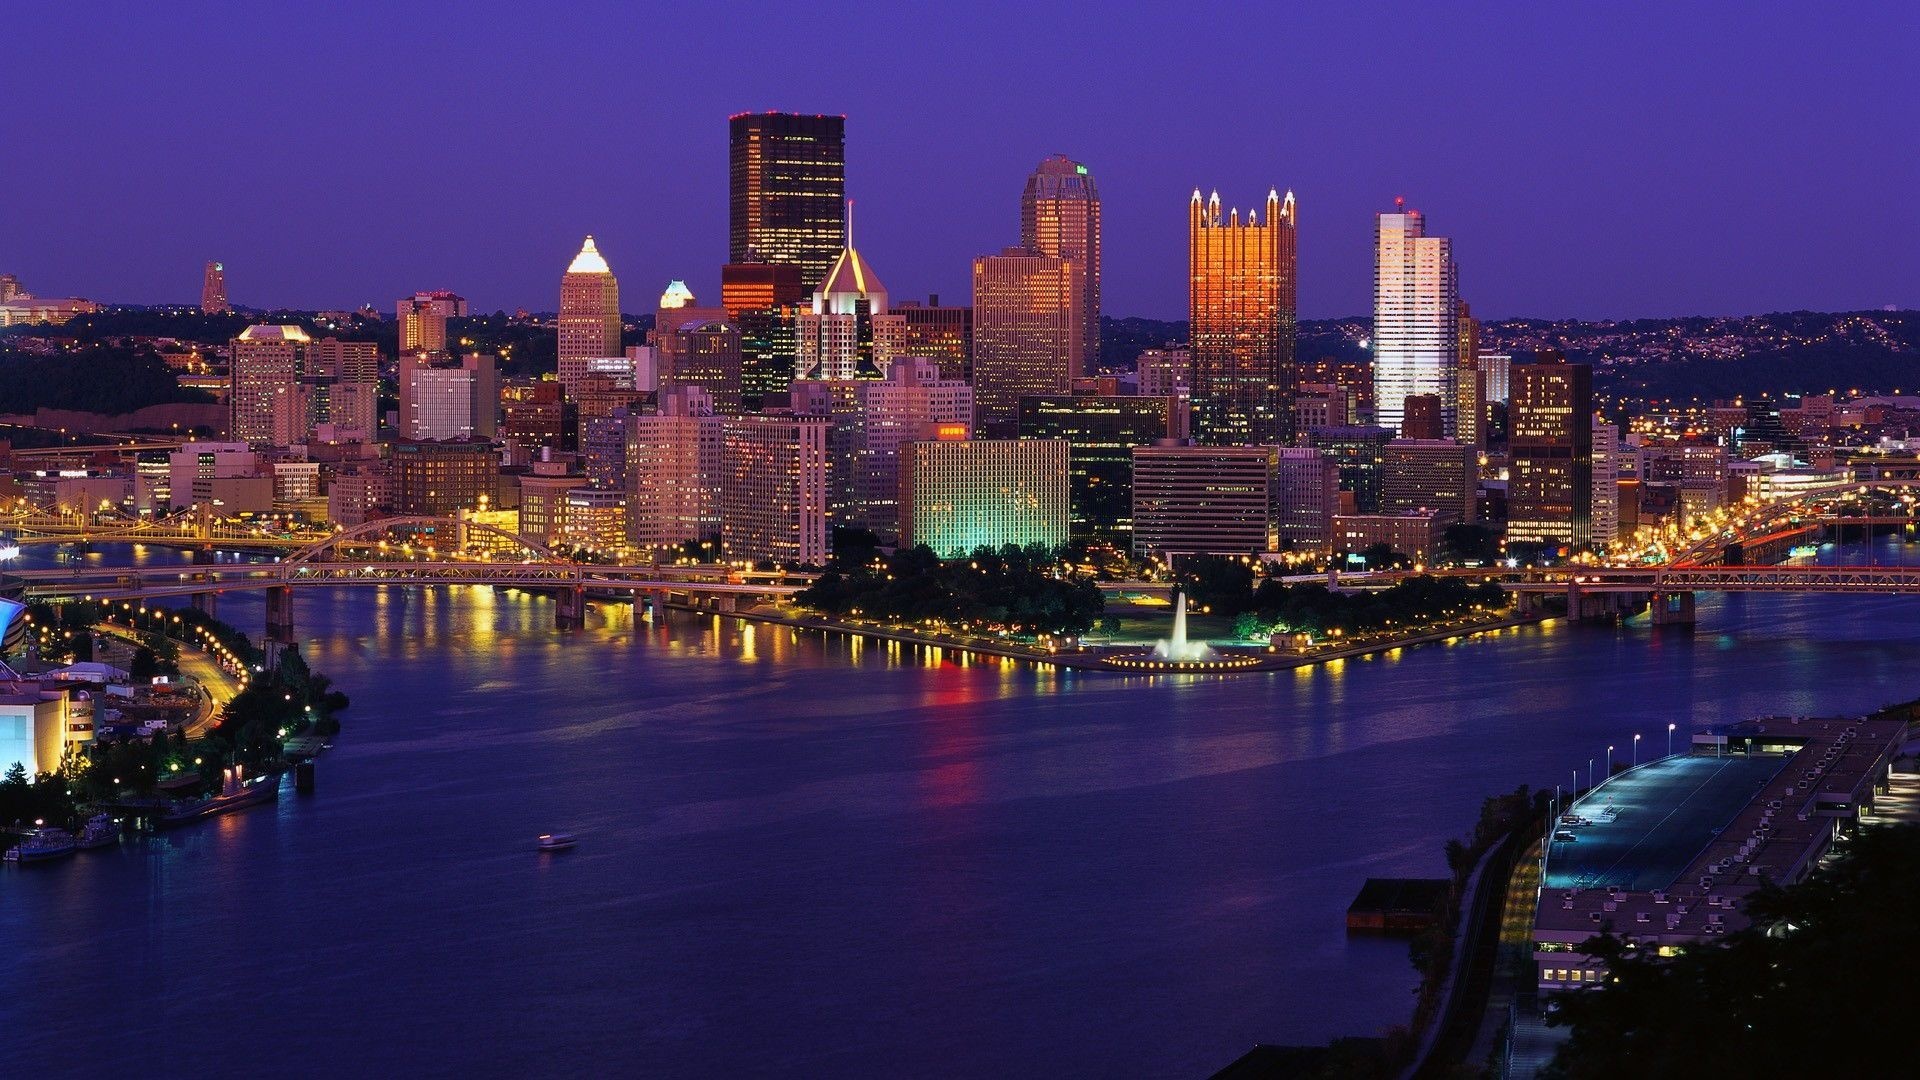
(1569, 191)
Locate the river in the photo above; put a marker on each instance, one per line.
(807, 856)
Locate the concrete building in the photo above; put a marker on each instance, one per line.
(959, 494)
(595, 520)
(1416, 534)
(1164, 372)
(1416, 303)
(1241, 306)
(674, 461)
(359, 494)
(1100, 431)
(448, 399)
(543, 499)
(871, 420)
(531, 413)
(268, 361)
(1060, 218)
(1605, 528)
(1204, 500)
(440, 479)
(941, 334)
(1550, 467)
(702, 351)
(25, 310)
(213, 290)
(1470, 390)
(422, 320)
(1306, 490)
(1029, 335)
(1429, 474)
(773, 488)
(195, 467)
(589, 315)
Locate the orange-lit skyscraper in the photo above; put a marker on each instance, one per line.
(213, 290)
(589, 315)
(1241, 306)
(1028, 333)
(1060, 216)
(788, 187)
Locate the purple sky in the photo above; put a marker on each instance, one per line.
(1619, 160)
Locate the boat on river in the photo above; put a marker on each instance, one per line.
(254, 792)
(42, 845)
(100, 831)
(559, 841)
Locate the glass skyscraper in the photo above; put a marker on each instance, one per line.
(1416, 298)
(788, 180)
(1241, 306)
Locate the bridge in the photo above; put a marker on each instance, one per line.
(364, 557)
(197, 528)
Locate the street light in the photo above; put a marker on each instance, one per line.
(1636, 751)
(1670, 728)
(1609, 761)
(1589, 774)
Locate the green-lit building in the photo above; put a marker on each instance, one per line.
(1100, 431)
(959, 494)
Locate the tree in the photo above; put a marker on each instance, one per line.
(1815, 986)
(144, 665)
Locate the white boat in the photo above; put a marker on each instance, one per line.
(101, 831)
(559, 841)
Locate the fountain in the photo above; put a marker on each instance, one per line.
(1176, 653)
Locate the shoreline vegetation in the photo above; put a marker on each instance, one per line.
(145, 776)
(1035, 604)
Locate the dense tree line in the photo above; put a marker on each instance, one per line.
(1819, 985)
(1015, 588)
(94, 378)
(1223, 586)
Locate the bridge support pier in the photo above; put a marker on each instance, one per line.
(280, 615)
(570, 608)
(1672, 609)
(206, 603)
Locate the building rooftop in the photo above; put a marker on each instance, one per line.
(589, 261)
(273, 332)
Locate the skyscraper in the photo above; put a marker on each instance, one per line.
(1550, 467)
(448, 399)
(1060, 216)
(1241, 310)
(1470, 391)
(213, 290)
(268, 361)
(1027, 333)
(1416, 297)
(589, 315)
(841, 338)
(788, 186)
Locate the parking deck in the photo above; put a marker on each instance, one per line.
(1668, 812)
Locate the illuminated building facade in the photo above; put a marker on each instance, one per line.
(871, 420)
(1470, 393)
(773, 488)
(440, 479)
(1550, 457)
(423, 319)
(1028, 333)
(448, 399)
(1358, 450)
(1416, 299)
(531, 413)
(787, 176)
(1429, 474)
(268, 361)
(213, 290)
(1060, 217)
(589, 315)
(1306, 495)
(942, 334)
(846, 334)
(703, 352)
(764, 301)
(1605, 516)
(1241, 307)
(673, 472)
(958, 494)
(1100, 431)
(1204, 500)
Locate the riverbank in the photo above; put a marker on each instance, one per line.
(1087, 658)
(218, 686)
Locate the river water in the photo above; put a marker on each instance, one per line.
(805, 856)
